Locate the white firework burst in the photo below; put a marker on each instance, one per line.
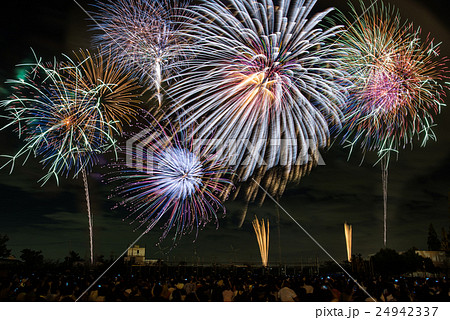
(141, 34)
(263, 81)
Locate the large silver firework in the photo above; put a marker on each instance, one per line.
(263, 82)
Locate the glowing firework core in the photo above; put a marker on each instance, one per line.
(181, 172)
(261, 81)
(386, 91)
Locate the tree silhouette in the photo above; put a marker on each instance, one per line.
(444, 242)
(4, 252)
(433, 241)
(388, 262)
(72, 258)
(32, 258)
(412, 261)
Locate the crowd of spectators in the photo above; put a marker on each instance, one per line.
(216, 288)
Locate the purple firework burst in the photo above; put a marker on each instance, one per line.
(166, 178)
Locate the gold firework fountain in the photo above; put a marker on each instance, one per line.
(262, 235)
(348, 240)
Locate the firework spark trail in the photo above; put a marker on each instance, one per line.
(116, 96)
(261, 74)
(171, 180)
(88, 204)
(397, 87)
(384, 178)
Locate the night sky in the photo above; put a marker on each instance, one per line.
(53, 219)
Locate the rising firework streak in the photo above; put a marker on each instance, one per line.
(348, 240)
(262, 235)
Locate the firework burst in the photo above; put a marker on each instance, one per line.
(396, 78)
(116, 92)
(67, 113)
(166, 178)
(61, 124)
(397, 85)
(141, 34)
(261, 83)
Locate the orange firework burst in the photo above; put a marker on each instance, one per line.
(116, 92)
